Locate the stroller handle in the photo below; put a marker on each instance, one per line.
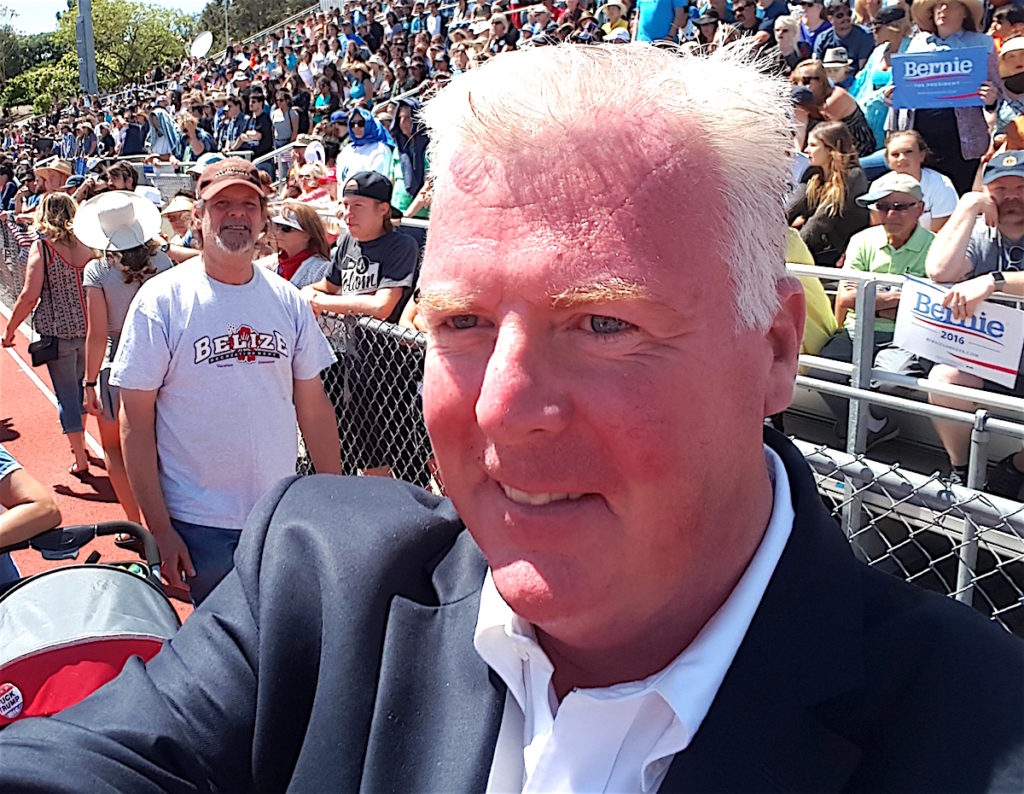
(64, 542)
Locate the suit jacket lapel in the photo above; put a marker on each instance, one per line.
(769, 727)
(438, 706)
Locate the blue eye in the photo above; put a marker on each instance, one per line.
(463, 321)
(601, 324)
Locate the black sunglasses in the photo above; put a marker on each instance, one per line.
(357, 123)
(895, 206)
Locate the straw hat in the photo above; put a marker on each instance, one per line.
(61, 168)
(178, 204)
(116, 221)
(921, 11)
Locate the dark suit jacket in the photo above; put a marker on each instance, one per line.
(338, 656)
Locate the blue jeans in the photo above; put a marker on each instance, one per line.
(212, 550)
(67, 372)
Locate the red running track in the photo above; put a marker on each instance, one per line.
(31, 433)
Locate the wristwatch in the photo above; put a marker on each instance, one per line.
(999, 280)
(89, 384)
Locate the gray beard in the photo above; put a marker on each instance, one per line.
(234, 246)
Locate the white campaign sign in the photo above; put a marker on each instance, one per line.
(987, 344)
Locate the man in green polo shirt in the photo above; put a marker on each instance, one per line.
(899, 245)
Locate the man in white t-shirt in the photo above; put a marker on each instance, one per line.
(217, 362)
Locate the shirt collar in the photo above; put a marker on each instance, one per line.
(689, 683)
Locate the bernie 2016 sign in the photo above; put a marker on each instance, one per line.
(944, 79)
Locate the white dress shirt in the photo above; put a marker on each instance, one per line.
(622, 737)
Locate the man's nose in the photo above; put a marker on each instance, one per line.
(522, 392)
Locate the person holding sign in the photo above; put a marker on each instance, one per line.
(982, 248)
(957, 136)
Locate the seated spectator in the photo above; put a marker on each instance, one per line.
(746, 23)
(8, 188)
(29, 509)
(835, 104)
(825, 210)
(369, 148)
(178, 214)
(195, 141)
(614, 11)
(712, 32)
(983, 240)
(898, 246)
(815, 23)
(820, 323)
(789, 49)
(906, 152)
(857, 42)
(1011, 71)
(409, 163)
(302, 252)
(312, 178)
(1007, 22)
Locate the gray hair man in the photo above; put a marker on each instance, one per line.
(634, 585)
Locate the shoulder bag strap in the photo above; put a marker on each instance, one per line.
(45, 246)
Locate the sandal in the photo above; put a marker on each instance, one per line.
(80, 473)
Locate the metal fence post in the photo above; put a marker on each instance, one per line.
(967, 559)
(857, 425)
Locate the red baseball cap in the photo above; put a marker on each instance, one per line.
(222, 174)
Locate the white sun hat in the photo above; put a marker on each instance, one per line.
(116, 221)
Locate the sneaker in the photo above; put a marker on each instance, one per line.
(886, 432)
(1004, 479)
(957, 477)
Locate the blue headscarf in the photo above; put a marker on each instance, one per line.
(167, 128)
(412, 149)
(373, 132)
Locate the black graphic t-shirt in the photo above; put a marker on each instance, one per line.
(360, 268)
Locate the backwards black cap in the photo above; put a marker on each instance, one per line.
(370, 184)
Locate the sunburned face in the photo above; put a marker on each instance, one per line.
(232, 219)
(586, 387)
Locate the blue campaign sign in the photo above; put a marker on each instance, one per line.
(943, 79)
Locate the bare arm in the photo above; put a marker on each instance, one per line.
(377, 304)
(95, 345)
(678, 21)
(138, 440)
(318, 425)
(30, 292)
(947, 257)
(965, 297)
(31, 508)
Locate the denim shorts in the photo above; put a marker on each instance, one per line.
(212, 550)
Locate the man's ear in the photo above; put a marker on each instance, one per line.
(785, 336)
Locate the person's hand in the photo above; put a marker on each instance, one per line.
(984, 206)
(988, 93)
(8, 340)
(965, 297)
(91, 402)
(798, 222)
(312, 296)
(175, 563)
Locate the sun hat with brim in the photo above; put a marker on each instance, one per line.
(621, 6)
(1016, 44)
(178, 204)
(890, 183)
(836, 56)
(921, 11)
(61, 168)
(286, 216)
(709, 17)
(116, 221)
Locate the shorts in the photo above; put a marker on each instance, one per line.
(110, 396)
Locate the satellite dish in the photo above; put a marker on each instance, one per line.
(315, 153)
(201, 45)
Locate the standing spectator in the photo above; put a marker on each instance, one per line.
(232, 126)
(957, 137)
(891, 30)
(195, 141)
(369, 148)
(217, 362)
(857, 42)
(8, 188)
(122, 226)
(28, 508)
(825, 210)
(53, 287)
(136, 133)
(661, 19)
(259, 132)
(164, 136)
(1011, 72)
(106, 146)
(87, 141)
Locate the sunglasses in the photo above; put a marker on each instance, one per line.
(357, 123)
(740, 9)
(895, 206)
(282, 229)
(809, 80)
(841, 14)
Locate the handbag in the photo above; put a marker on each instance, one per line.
(44, 349)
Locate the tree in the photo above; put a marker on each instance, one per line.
(131, 36)
(43, 84)
(245, 17)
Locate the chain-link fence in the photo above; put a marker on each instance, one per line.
(957, 541)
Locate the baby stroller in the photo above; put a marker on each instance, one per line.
(66, 632)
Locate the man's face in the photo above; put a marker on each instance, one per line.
(841, 18)
(1008, 194)
(586, 391)
(363, 216)
(405, 120)
(255, 106)
(900, 213)
(746, 13)
(232, 219)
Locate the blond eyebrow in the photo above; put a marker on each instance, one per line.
(599, 292)
(445, 302)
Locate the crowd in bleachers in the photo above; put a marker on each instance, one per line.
(329, 101)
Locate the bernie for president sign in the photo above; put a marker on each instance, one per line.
(943, 79)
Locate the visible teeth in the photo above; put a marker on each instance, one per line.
(536, 499)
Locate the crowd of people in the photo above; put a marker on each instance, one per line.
(329, 108)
